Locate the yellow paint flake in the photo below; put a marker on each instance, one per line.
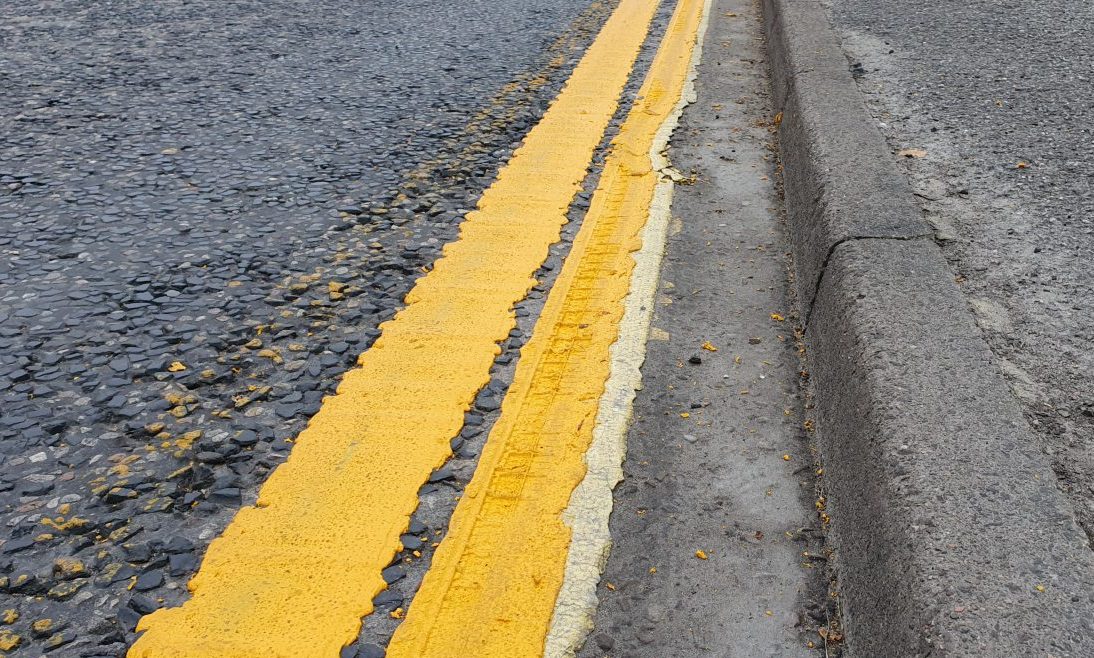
(9, 641)
(709, 347)
(273, 355)
(42, 626)
(60, 525)
(701, 554)
(65, 567)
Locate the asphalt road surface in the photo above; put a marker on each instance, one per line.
(992, 99)
(174, 177)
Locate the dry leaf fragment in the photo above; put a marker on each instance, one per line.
(1022, 165)
(912, 153)
(708, 346)
(701, 554)
(777, 317)
(176, 366)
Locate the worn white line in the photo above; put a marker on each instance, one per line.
(590, 505)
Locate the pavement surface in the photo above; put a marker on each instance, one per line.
(987, 105)
(715, 529)
(348, 329)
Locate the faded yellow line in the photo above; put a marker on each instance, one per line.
(494, 580)
(292, 576)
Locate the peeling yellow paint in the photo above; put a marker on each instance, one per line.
(292, 576)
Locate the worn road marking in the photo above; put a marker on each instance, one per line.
(495, 579)
(292, 576)
(590, 507)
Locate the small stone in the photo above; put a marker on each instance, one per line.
(66, 590)
(17, 544)
(226, 496)
(604, 641)
(182, 564)
(36, 488)
(370, 651)
(487, 403)
(695, 359)
(210, 457)
(147, 581)
(58, 640)
(388, 597)
(142, 604)
(443, 473)
(392, 574)
(128, 618)
(119, 495)
(178, 545)
(245, 438)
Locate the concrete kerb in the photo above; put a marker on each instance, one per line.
(951, 537)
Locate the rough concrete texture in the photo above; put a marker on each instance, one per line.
(850, 194)
(705, 468)
(951, 537)
(977, 88)
(947, 522)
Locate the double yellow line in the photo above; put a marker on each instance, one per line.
(292, 576)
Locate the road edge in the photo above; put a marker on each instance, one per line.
(950, 535)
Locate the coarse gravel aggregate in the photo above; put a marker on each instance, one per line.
(207, 208)
(987, 105)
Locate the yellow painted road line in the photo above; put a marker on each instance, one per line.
(590, 506)
(292, 576)
(494, 580)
